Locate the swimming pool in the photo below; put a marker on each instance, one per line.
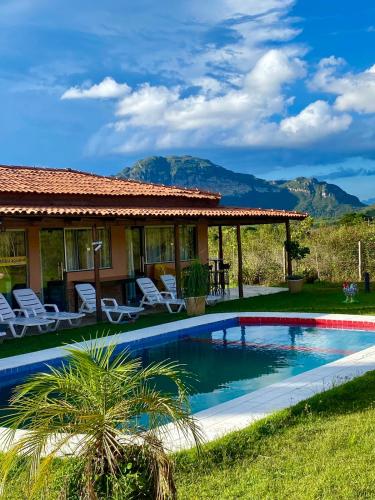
(229, 360)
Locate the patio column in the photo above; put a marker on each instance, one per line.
(288, 240)
(177, 259)
(239, 253)
(221, 259)
(220, 252)
(97, 275)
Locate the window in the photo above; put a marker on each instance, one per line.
(160, 243)
(13, 262)
(79, 252)
(188, 238)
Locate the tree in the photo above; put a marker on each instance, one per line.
(352, 218)
(295, 250)
(99, 401)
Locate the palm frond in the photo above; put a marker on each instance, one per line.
(96, 401)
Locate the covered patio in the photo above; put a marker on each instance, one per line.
(60, 227)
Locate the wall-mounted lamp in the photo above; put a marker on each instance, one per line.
(97, 245)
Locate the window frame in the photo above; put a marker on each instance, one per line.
(26, 241)
(147, 262)
(87, 229)
(27, 263)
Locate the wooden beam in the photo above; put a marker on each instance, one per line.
(221, 260)
(240, 270)
(288, 241)
(97, 275)
(220, 252)
(177, 259)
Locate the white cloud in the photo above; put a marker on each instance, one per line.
(162, 117)
(355, 91)
(158, 117)
(107, 89)
(234, 94)
(316, 121)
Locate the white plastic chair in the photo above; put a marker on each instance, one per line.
(169, 282)
(110, 307)
(153, 297)
(30, 302)
(9, 318)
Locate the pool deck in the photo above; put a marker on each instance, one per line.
(239, 412)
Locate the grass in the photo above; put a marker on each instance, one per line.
(320, 297)
(323, 448)
(325, 298)
(32, 343)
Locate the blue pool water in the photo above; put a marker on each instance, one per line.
(230, 362)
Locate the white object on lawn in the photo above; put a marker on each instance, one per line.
(30, 302)
(153, 297)
(9, 318)
(110, 307)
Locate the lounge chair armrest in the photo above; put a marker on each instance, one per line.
(109, 302)
(52, 306)
(21, 312)
(168, 295)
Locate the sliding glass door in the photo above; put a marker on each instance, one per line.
(53, 266)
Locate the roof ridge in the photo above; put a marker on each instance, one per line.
(109, 177)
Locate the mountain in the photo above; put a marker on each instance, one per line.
(320, 199)
(369, 201)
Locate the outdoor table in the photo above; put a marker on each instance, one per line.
(219, 277)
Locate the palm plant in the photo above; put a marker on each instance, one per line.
(98, 401)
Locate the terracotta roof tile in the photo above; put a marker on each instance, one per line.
(216, 212)
(18, 179)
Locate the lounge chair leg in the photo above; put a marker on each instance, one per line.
(46, 328)
(111, 319)
(74, 322)
(14, 332)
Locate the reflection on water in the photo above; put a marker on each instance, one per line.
(235, 361)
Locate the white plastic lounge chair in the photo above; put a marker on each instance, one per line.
(169, 282)
(29, 301)
(152, 296)
(9, 318)
(110, 307)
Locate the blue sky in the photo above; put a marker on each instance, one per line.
(276, 88)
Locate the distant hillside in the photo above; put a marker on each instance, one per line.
(319, 198)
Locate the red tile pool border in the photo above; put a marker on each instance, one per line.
(317, 322)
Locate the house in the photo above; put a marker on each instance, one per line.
(50, 218)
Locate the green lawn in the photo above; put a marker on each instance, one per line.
(314, 298)
(320, 449)
(325, 298)
(323, 448)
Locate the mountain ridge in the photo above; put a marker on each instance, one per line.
(319, 198)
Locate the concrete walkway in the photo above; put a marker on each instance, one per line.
(254, 291)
